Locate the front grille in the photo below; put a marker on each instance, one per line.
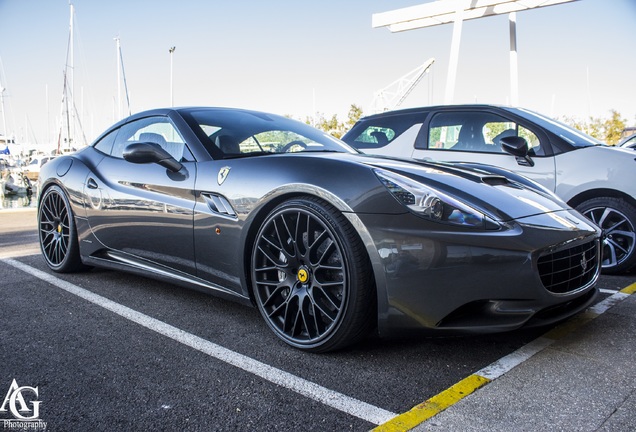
(569, 269)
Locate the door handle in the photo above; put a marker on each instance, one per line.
(91, 184)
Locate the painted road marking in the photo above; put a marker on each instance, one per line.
(444, 400)
(630, 289)
(333, 399)
(607, 291)
(434, 405)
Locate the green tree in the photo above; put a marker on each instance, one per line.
(333, 125)
(355, 113)
(607, 130)
(613, 128)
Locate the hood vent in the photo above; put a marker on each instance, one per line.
(496, 181)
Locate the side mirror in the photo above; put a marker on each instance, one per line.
(149, 152)
(518, 147)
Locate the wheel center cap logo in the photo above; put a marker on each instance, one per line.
(223, 173)
(302, 275)
(59, 228)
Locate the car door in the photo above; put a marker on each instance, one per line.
(224, 202)
(474, 136)
(144, 210)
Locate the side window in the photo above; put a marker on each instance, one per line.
(494, 131)
(443, 137)
(105, 145)
(158, 130)
(459, 131)
(533, 142)
(476, 132)
(375, 137)
(379, 132)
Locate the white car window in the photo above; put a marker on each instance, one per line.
(476, 132)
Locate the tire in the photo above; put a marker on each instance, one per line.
(57, 232)
(617, 219)
(311, 277)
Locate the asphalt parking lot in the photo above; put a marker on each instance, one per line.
(112, 351)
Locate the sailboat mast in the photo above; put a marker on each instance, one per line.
(121, 75)
(118, 44)
(71, 79)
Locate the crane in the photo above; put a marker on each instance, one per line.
(392, 96)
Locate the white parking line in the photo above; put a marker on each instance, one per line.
(505, 364)
(608, 291)
(339, 401)
(449, 397)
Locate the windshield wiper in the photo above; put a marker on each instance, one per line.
(242, 155)
(320, 151)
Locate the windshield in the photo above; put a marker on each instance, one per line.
(236, 133)
(573, 136)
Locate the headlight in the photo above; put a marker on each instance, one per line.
(433, 204)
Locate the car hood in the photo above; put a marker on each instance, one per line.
(504, 197)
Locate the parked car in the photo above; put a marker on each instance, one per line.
(326, 242)
(629, 142)
(593, 178)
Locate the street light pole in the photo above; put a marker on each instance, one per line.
(171, 50)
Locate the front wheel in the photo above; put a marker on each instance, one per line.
(311, 277)
(57, 232)
(617, 219)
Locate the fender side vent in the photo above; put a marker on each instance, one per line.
(218, 204)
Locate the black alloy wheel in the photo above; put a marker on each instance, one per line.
(311, 277)
(617, 219)
(57, 233)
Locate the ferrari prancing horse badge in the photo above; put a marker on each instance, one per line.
(223, 173)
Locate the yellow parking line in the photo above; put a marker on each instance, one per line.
(438, 403)
(631, 289)
(434, 405)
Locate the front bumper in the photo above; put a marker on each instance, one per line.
(474, 281)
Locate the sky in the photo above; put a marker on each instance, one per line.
(299, 58)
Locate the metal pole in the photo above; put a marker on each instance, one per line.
(71, 82)
(4, 118)
(119, 116)
(454, 54)
(514, 69)
(48, 117)
(171, 50)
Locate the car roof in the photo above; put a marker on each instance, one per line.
(435, 108)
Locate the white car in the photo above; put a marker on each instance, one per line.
(597, 180)
(629, 142)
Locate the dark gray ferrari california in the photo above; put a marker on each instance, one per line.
(328, 243)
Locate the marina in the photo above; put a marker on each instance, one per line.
(22, 157)
(16, 202)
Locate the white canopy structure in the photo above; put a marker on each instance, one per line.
(456, 11)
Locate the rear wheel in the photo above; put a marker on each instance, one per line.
(617, 219)
(311, 277)
(57, 232)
